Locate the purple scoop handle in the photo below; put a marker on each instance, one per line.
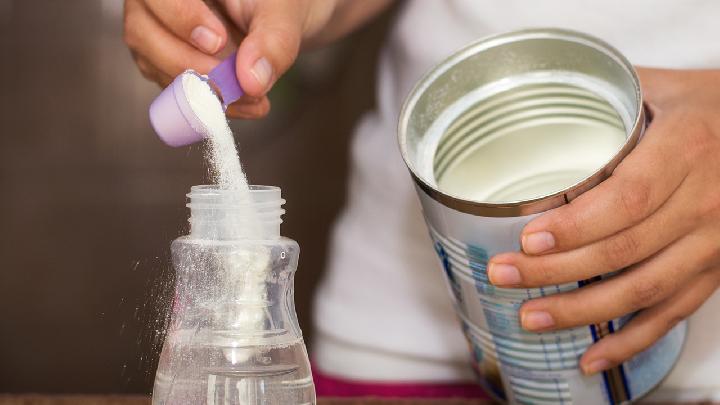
(225, 79)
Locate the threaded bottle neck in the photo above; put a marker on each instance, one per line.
(219, 214)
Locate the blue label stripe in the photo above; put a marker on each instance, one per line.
(445, 261)
(606, 383)
(621, 370)
(614, 379)
(557, 387)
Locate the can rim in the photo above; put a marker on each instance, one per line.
(543, 202)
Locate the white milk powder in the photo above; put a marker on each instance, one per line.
(222, 154)
(246, 268)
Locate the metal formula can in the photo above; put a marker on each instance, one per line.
(506, 128)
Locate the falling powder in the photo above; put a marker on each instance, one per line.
(222, 154)
(245, 269)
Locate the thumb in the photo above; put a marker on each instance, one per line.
(270, 47)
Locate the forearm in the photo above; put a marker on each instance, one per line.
(347, 16)
(672, 85)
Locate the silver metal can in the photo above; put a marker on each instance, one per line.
(509, 127)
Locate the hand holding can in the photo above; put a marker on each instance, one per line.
(502, 131)
(657, 217)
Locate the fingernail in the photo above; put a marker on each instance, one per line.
(538, 242)
(263, 71)
(537, 320)
(504, 274)
(205, 39)
(596, 366)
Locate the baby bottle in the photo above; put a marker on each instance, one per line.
(234, 337)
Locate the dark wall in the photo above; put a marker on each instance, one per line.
(90, 199)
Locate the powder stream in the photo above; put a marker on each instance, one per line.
(246, 268)
(223, 157)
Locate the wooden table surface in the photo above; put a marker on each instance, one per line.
(144, 400)
(6, 399)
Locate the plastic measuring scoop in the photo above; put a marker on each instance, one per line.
(171, 116)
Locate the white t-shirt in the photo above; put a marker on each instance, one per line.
(383, 311)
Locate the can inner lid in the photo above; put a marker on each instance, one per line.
(525, 142)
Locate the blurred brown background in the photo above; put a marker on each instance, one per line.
(90, 199)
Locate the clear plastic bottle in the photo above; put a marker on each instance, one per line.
(234, 336)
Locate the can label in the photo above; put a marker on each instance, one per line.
(516, 365)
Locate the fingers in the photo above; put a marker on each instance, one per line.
(192, 21)
(618, 251)
(271, 45)
(160, 48)
(637, 187)
(162, 55)
(249, 108)
(639, 287)
(650, 325)
(150, 72)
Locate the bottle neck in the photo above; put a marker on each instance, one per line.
(219, 214)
